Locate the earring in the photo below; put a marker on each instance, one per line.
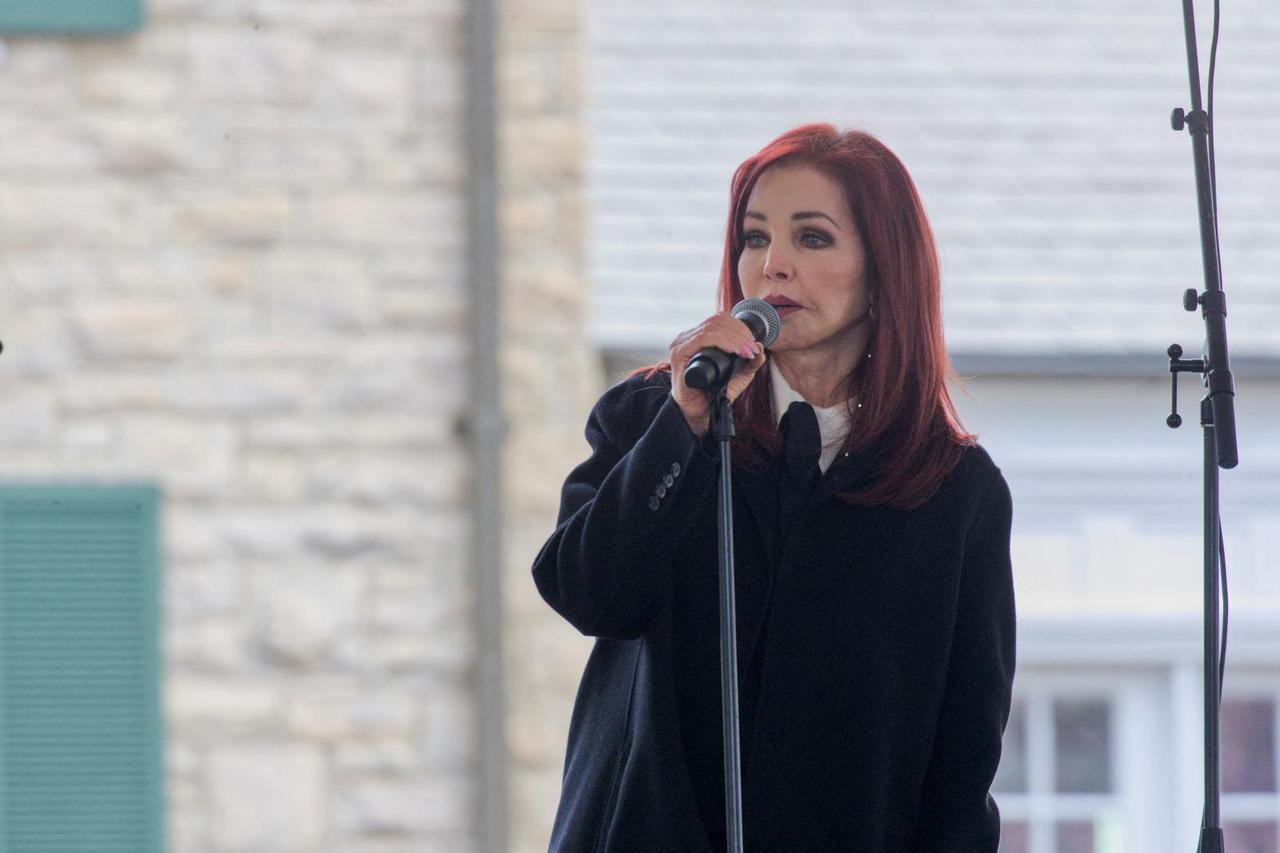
(871, 312)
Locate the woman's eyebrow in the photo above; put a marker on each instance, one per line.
(804, 214)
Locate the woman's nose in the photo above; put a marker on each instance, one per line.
(777, 266)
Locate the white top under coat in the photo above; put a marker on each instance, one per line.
(833, 421)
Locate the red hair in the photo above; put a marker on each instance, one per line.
(906, 409)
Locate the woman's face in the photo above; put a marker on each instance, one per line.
(801, 249)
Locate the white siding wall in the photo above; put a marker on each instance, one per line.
(1038, 136)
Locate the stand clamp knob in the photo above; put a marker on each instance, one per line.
(1177, 364)
(1198, 119)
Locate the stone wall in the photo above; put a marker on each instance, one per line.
(232, 263)
(551, 379)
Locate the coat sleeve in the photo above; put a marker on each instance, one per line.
(623, 510)
(957, 812)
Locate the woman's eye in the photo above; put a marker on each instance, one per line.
(812, 239)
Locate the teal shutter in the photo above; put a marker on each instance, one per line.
(70, 17)
(81, 736)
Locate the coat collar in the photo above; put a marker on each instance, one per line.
(833, 421)
(758, 486)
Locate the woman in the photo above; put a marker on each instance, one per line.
(874, 589)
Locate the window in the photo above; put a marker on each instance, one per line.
(1249, 772)
(1058, 775)
(1082, 764)
(64, 17)
(81, 737)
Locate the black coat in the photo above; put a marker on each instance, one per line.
(876, 648)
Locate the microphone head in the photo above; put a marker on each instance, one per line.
(761, 317)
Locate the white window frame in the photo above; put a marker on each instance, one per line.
(1152, 664)
(1135, 740)
(1255, 683)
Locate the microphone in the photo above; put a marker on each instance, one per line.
(712, 366)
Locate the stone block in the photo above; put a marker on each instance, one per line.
(424, 481)
(126, 329)
(48, 149)
(448, 736)
(420, 308)
(49, 278)
(388, 756)
(399, 374)
(39, 344)
(356, 533)
(441, 78)
(202, 705)
(262, 66)
(89, 394)
(541, 152)
(190, 458)
(140, 146)
(37, 73)
(248, 219)
(298, 616)
(447, 651)
(207, 645)
(364, 219)
(389, 431)
(93, 214)
(309, 289)
(229, 390)
(268, 797)
(203, 590)
(526, 83)
(391, 807)
(272, 477)
(436, 594)
(279, 152)
(30, 418)
(130, 83)
(374, 85)
(342, 711)
(433, 157)
(534, 797)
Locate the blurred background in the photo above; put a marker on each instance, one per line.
(305, 304)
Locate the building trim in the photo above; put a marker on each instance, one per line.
(485, 430)
(992, 364)
(1118, 640)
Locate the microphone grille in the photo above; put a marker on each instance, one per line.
(768, 318)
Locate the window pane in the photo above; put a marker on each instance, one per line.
(1012, 773)
(1073, 836)
(1015, 837)
(1248, 745)
(1082, 745)
(1250, 837)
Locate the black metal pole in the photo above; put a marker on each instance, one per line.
(1217, 415)
(1210, 831)
(722, 429)
(1213, 301)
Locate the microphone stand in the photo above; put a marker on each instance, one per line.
(722, 429)
(1217, 416)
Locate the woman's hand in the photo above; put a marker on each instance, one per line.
(725, 332)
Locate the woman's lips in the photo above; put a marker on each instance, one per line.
(784, 310)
